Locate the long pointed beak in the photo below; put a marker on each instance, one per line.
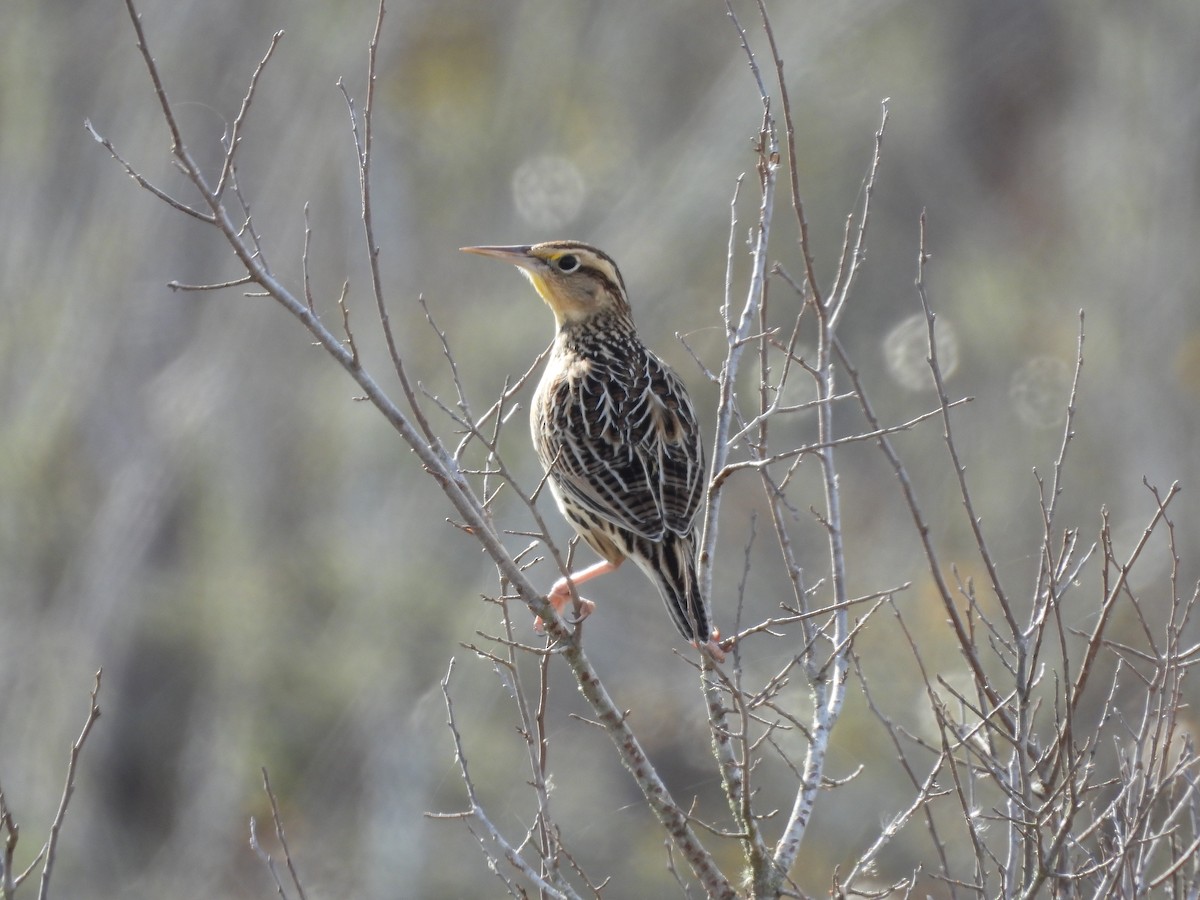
(518, 254)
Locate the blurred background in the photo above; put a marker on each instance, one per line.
(191, 498)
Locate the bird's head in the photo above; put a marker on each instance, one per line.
(578, 282)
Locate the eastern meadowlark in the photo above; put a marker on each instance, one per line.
(616, 433)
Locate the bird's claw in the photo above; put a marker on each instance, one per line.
(586, 608)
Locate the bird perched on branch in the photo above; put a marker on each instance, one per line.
(616, 433)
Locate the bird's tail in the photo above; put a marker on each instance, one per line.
(671, 564)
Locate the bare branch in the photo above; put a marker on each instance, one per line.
(68, 789)
(815, 449)
(262, 854)
(793, 163)
(219, 286)
(143, 182)
(235, 134)
(476, 814)
(846, 276)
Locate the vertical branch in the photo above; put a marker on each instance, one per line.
(475, 813)
(11, 831)
(235, 133)
(10, 880)
(963, 635)
(768, 165)
(827, 679)
(672, 817)
(68, 789)
(533, 730)
(363, 145)
(828, 684)
(846, 275)
(720, 449)
(1068, 426)
(281, 836)
(960, 469)
(734, 770)
(792, 157)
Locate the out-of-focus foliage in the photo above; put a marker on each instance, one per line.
(190, 498)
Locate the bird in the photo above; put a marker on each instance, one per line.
(616, 433)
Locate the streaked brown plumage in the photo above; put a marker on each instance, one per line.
(614, 428)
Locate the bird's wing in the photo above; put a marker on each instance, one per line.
(624, 445)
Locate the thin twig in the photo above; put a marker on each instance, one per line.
(844, 282)
(235, 134)
(143, 182)
(68, 788)
(277, 820)
(815, 449)
(793, 159)
(475, 811)
(262, 854)
(218, 286)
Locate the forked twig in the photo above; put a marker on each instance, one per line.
(260, 851)
(68, 788)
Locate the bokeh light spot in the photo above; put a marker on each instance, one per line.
(906, 348)
(1039, 391)
(548, 191)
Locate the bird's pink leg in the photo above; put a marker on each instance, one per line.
(560, 594)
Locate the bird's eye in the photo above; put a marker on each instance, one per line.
(567, 263)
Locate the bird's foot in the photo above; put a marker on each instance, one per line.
(715, 646)
(559, 597)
